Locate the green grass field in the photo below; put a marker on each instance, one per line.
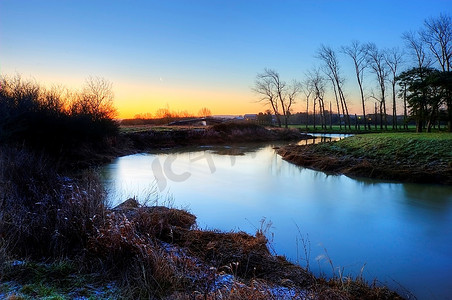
(343, 129)
(422, 147)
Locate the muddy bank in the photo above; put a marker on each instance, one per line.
(407, 170)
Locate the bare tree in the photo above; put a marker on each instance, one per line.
(317, 85)
(393, 58)
(333, 83)
(96, 99)
(417, 49)
(276, 93)
(329, 57)
(376, 60)
(293, 90)
(357, 53)
(264, 87)
(437, 35)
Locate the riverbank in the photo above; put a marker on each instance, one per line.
(404, 157)
(158, 253)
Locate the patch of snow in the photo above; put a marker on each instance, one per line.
(282, 293)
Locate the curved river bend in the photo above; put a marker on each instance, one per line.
(400, 233)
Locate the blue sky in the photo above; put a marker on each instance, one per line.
(189, 54)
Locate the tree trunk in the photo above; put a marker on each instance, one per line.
(449, 115)
(405, 113)
(375, 122)
(363, 103)
(381, 115)
(314, 114)
(394, 108)
(337, 103)
(331, 117)
(384, 113)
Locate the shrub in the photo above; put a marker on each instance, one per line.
(55, 120)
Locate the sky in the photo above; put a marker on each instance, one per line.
(185, 55)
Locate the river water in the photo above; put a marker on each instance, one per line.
(399, 234)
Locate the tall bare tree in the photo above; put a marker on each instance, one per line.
(376, 60)
(307, 91)
(332, 69)
(357, 53)
(333, 84)
(276, 93)
(437, 35)
(417, 49)
(317, 84)
(293, 90)
(393, 58)
(264, 87)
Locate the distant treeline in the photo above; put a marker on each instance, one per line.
(333, 119)
(164, 116)
(56, 120)
(153, 121)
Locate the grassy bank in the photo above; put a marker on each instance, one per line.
(408, 157)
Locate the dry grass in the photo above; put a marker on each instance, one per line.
(42, 213)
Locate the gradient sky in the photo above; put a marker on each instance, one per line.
(186, 55)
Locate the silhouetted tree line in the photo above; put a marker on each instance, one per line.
(56, 120)
(424, 89)
(327, 119)
(164, 116)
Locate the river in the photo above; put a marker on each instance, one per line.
(399, 234)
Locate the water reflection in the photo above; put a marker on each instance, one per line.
(322, 138)
(395, 229)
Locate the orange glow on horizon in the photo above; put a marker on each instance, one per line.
(133, 100)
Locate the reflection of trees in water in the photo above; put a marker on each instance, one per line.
(236, 150)
(432, 196)
(437, 197)
(321, 139)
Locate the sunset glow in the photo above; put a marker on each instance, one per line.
(187, 55)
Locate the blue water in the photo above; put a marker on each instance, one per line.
(399, 234)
